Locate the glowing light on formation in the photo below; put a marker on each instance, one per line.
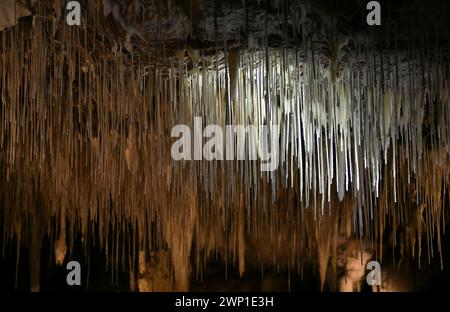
(358, 137)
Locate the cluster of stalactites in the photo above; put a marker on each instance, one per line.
(338, 133)
(85, 140)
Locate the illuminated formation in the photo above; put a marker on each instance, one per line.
(85, 136)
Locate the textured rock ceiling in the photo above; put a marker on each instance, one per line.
(250, 24)
(162, 28)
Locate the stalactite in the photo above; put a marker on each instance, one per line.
(87, 137)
